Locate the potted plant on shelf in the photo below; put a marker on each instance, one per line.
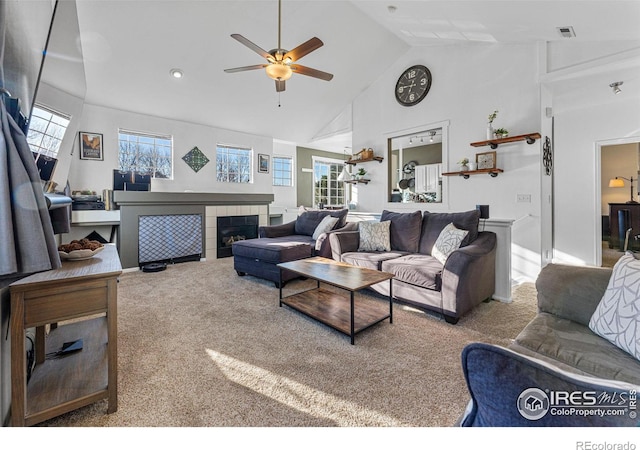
(491, 118)
(464, 164)
(501, 133)
(361, 173)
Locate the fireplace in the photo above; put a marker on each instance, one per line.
(234, 228)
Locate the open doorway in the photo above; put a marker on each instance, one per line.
(619, 208)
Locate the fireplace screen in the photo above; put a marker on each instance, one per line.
(169, 238)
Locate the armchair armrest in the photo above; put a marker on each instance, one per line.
(571, 292)
(469, 275)
(344, 242)
(271, 231)
(323, 244)
(497, 376)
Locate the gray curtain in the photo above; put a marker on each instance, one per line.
(27, 240)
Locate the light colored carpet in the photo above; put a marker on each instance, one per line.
(201, 347)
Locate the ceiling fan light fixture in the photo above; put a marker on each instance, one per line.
(279, 71)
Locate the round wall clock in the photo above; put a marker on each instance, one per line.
(413, 85)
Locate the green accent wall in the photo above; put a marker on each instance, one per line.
(304, 185)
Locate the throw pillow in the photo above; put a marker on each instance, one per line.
(449, 241)
(405, 230)
(617, 316)
(307, 221)
(433, 223)
(374, 236)
(326, 224)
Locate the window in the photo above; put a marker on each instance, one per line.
(282, 171)
(149, 154)
(327, 190)
(46, 130)
(233, 164)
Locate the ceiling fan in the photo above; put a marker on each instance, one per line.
(280, 62)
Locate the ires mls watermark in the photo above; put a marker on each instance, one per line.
(534, 403)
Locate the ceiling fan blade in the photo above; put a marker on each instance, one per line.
(242, 69)
(251, 45)
(303, 70)
(279, 85)
(304, 49)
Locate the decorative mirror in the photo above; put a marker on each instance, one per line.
(416, 164)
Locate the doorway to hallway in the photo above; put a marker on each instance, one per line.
(619, 166)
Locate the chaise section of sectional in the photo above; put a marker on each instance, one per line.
(287, 242)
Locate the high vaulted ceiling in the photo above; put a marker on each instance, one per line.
(129, 48)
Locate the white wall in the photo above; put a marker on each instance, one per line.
(469, 82)
(285, 196)
(97, 175)
(579, 129)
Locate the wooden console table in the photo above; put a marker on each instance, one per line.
(85, 290)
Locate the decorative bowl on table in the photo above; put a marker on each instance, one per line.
(78, 250)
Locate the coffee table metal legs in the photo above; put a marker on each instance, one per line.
(353, 320)
(391, 300)
(280, 284)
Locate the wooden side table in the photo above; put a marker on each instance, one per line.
(85, 294)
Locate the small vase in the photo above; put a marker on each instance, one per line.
(464, 168)
(472, 166)
(489, 131)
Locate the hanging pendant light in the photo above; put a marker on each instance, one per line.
(344, 175)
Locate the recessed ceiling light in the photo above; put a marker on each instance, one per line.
(176, 73)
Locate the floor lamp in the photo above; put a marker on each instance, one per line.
(618, 182)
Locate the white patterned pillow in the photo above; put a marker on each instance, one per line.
(374, 236)
(326, 224)
(617, 316)
(448, 241)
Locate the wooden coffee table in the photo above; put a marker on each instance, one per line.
(332, 308)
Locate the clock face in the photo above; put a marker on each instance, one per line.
(413, 85)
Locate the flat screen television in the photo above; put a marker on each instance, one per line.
(130, 181)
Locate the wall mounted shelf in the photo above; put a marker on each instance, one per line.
(493, 143)
(466, 173)
(357, 161)
(362, 180)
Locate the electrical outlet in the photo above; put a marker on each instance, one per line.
(523, 198)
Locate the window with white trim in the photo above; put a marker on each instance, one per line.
(145, 153)
(46, 130)
(282, 171)
(327, 190)
(233, 164)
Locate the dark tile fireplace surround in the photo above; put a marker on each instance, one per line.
(234, 228)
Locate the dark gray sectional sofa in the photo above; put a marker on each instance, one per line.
(465, 280)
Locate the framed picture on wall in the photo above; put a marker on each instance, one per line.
(91, 146)
(486, 160)
(263, 163)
